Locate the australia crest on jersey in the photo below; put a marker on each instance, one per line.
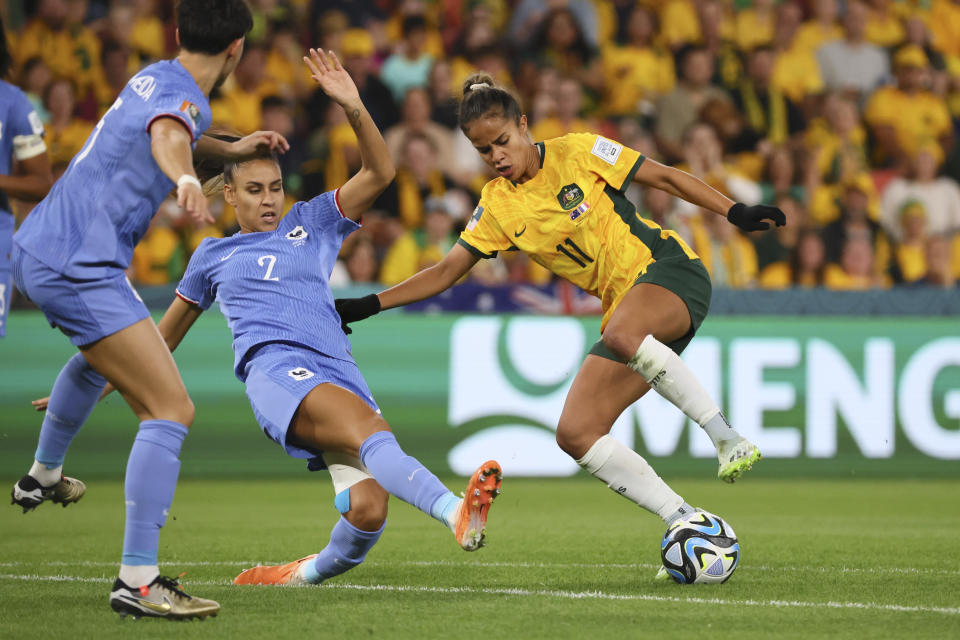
(570, 196)
(299, 236)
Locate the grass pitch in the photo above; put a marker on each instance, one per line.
(566, 559)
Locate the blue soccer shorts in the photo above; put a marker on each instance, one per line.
(84, 310)
(279, 377)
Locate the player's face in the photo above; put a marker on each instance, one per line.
(257, 195)
(503, 145)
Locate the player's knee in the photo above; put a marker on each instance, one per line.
(180, 411)
(623, 343)
(571, 438)
(368, 506)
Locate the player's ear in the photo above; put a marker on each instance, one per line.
(235, 50)
(176, 35)
(229, 195)
(523, 124)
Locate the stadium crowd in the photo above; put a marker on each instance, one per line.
(843, 114)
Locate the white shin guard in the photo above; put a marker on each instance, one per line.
(627, 473)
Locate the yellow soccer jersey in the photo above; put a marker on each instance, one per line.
(573, 218)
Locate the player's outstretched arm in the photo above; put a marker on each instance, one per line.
(694, 190)
(212, 147)
(170, 143)
(376, 169)
(420, 286)
(173, 326)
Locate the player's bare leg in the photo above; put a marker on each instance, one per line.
(331, 418)
(138, 363)
(648, 318)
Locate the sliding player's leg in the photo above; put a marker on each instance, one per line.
(647, 330)
(363, 507)
(600, 392)
(334, 419)
(138, 363)
(74, 395)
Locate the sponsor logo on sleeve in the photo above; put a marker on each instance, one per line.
(475, 218)
(606, 150)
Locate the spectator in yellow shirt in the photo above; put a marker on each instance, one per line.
(906, 116)
(938, 261)
(422, 247)
(945, 23)
(884, 27)
(568, 104)
(726, 253)
(822, 28)
(795, 70)
(910, 253)
(66, 133)
(855, 271)
(239, 105)
(755, 26)
(70, 49)
(635, 70)
(804, 268)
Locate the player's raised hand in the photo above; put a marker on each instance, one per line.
(248, 145)
(191, 199)
(331, 76)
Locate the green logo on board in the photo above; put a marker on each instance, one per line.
(570, 196)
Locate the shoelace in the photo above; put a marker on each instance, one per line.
(173, 584)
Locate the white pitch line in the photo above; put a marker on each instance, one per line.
(567, 595)
(919, 571)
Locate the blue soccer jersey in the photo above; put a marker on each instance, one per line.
(21, 133)
(99, 209)
(274, 286)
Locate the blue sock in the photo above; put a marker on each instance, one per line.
(150, 482)
(347, 548)
(74, 395)
(402, 475)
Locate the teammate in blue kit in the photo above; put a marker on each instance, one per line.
(21, 137)
(69, 257)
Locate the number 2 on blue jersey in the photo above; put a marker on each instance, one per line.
(270, 260)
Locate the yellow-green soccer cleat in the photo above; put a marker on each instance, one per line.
(736, 456)
(29, 494)
(162, 598)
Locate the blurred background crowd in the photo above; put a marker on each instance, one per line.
(843, 114)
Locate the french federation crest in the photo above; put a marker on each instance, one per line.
(570, 196)
(298, 235)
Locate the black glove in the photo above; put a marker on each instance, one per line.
(752, 218)
(356, 309)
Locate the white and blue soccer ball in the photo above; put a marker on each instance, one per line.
(700, 548)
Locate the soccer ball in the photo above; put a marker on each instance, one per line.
(700, 548)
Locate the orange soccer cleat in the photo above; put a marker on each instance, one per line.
(471, 519)
(274, 574)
